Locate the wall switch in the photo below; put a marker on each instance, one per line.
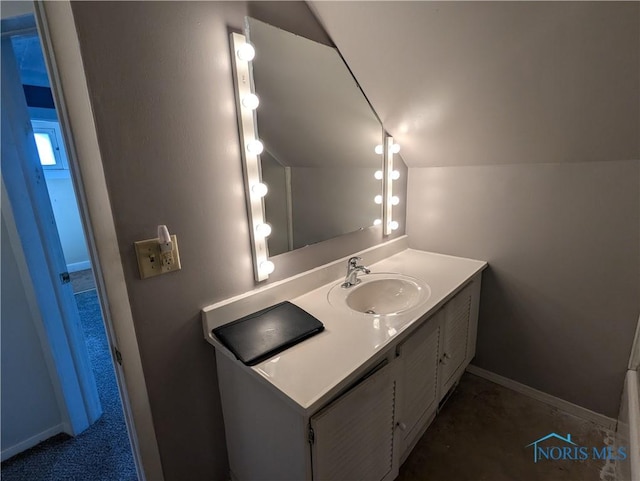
(154, 260)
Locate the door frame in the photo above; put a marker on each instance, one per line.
(62, 55)
(24, 182)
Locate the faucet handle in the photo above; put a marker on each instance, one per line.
(353, 261)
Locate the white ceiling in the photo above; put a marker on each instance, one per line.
(473, 83)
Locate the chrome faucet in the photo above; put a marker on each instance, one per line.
(352, 272)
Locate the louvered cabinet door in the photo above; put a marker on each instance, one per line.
(455, 336)
(419, 373)
(353, 437)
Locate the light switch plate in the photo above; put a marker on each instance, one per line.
(150, 259)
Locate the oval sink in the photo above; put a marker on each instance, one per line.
(381, 294)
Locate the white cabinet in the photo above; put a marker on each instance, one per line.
(459, 327)
(367, 430)
(432, 360)
(419, 361)
(353, 437)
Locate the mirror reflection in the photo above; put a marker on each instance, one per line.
(319, 134)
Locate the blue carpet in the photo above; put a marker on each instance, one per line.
(102, 452)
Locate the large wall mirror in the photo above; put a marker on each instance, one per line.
(319, 134)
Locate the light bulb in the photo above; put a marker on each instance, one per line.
(378, 199)
(395, 148)
(267, 267)
(263, 230)
(377, 222)
(395, 200)
(378, 174)
(378, 150)
(260, 189)
(255, 147)
(395, 175)
(251, 101)
(394, 225)
(246, 52)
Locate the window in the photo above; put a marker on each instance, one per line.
(49, 143)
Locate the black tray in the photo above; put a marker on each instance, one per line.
(265, 333)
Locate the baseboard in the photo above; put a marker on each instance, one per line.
(31, 442)
(79, 266)
(556, 402)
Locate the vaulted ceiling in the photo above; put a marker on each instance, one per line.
(474, 83)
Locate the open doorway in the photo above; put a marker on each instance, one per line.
(89, 441)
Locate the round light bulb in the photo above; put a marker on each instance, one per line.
(263, 230)
(395, 175)
(378, 174)
(378, 150)
(395, 148)
(394, 225)
(378, 199)
(251, 101)
(260, 189)
(246, 52)
(377, 222)
(267, 267)
(395, 200)
(255, 147)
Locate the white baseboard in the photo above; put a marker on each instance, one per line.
(556, 402)
(31, 442)
(79, 266)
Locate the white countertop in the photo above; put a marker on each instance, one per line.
(308, 372)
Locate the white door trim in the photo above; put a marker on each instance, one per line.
(61, 50)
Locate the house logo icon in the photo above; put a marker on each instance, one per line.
(537, 451)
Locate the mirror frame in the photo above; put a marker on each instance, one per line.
(262, 266)
(247, 127)
(389, 175)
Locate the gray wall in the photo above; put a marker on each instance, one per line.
(560, 300)
(520, 124)
(15, 8)
(160, 82)
(29, 402)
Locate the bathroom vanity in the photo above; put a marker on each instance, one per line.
(352, 401)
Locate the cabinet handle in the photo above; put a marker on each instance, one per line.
(402, 426)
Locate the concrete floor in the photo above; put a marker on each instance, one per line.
(481, 434)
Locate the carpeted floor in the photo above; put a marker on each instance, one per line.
(102, 452)
(82, 280)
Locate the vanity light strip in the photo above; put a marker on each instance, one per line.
(250, 151)
(387, 212)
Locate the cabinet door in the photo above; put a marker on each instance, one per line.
(455, 336)
(353, 437)
(419, 373)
